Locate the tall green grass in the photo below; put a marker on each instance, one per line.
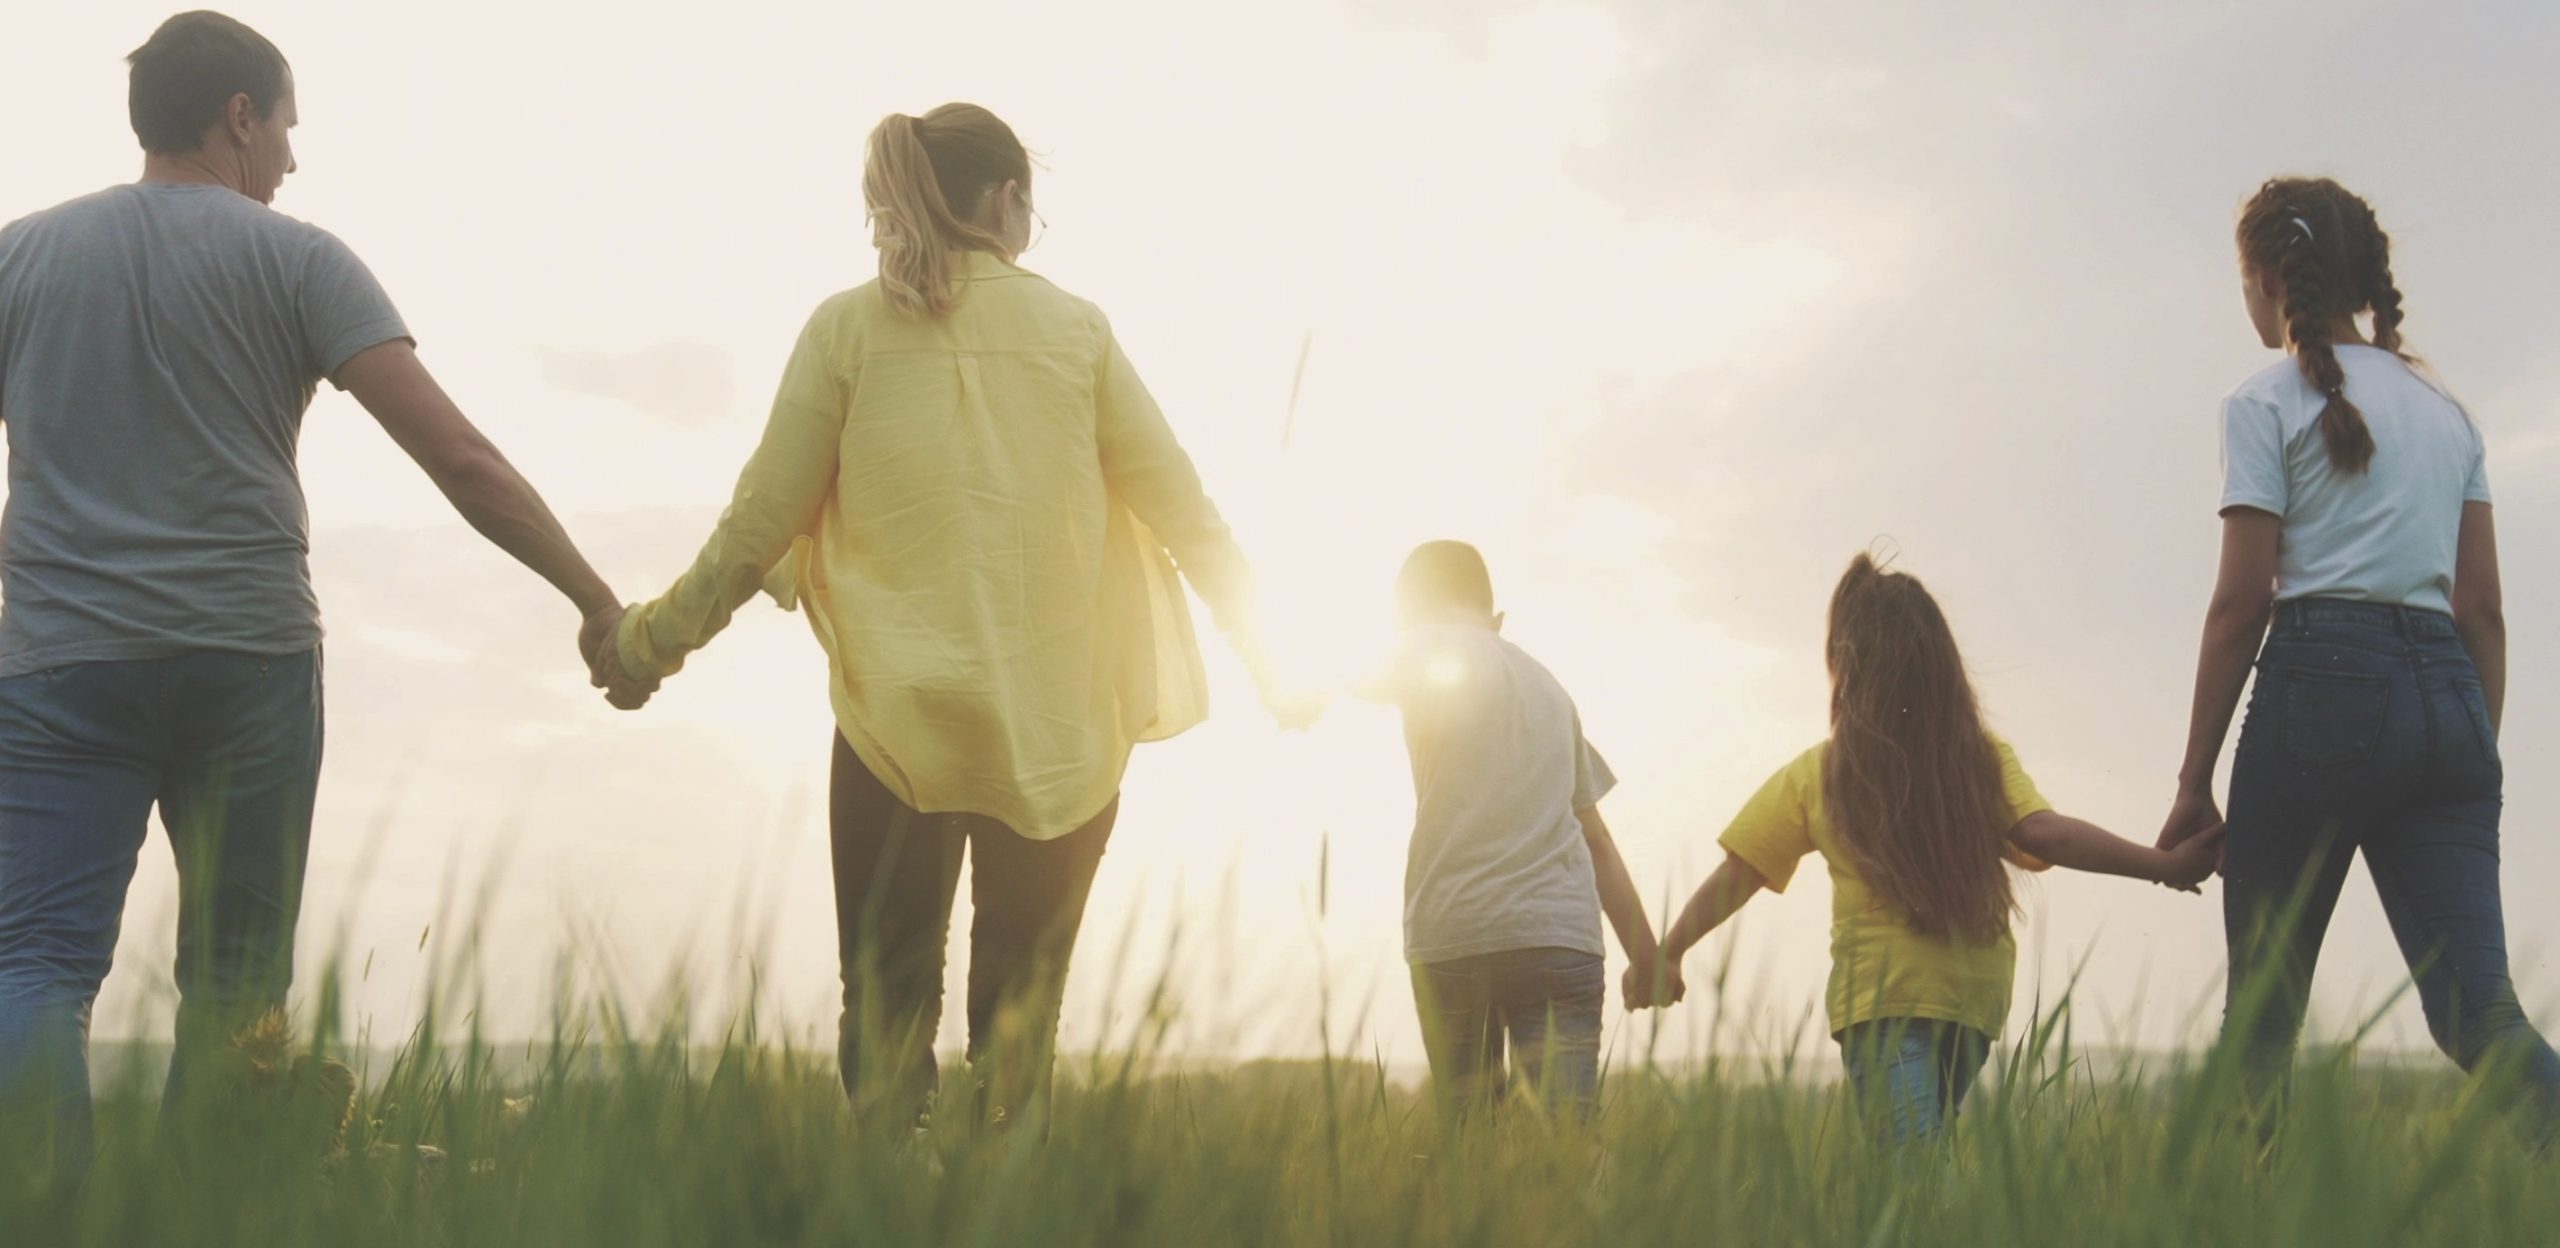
(619, 1130)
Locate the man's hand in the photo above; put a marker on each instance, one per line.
(600, 643)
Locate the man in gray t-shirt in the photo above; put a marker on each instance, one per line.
(159, 640)
(1511, 867)
(152, 413)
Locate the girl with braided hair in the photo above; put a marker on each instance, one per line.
(2359, 566)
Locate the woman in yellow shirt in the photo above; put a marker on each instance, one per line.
(1919, 812)
(967, 489)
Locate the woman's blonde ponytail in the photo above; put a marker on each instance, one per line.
(915, 173)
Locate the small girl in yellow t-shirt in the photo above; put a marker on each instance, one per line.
(1919, 812)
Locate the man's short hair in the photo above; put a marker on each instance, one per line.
(1439, 575)
(185, 77)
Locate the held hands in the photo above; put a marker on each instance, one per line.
(1295, 709)
(1653, 983)
(2193, 814)
(2192, 837)
(599, 643)
(2193, 859)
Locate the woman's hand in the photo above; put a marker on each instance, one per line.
(2193, 814)
(1295, 709)
(2192, 860)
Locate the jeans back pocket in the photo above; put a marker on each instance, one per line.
(2333, 719)
(2475, 706)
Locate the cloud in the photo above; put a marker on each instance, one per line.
(687, 383)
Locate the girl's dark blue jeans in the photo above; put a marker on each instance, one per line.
(2368, 732)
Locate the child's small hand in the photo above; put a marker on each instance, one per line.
(2193, 859)
(1653, 983)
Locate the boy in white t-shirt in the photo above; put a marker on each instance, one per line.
(1511, 867)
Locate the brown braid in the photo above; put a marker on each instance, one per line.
(2326, 246)
(2381, 293)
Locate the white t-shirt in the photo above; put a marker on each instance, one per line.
(1500, 770)
(2385, 536)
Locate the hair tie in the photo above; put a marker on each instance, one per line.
(2305, 227)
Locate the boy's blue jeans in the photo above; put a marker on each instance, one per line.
(1910, 1075)
(1546, 1003)
(2369, 731)
(227, 746)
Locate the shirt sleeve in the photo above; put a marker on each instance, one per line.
(342, 309)
(2476, 488)
(2020, 790)
(2253, 455)
(777, 500)
(1775, 829)
(1592, 779)
(1148, 471)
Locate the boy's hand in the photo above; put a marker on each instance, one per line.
(1653, 983)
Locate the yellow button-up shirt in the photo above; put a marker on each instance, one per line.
(975, 513)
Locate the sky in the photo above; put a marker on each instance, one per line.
(1670, 307)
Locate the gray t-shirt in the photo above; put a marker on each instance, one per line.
(159, 344)
(1499, 771)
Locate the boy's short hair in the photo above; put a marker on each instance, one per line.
(1439, 576)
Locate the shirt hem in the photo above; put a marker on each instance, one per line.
(884, 767)
(1882, 1011)
(49, 658)
(1504, 944)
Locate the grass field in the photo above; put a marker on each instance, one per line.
(632, 1140)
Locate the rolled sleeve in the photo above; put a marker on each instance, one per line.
(778, 499)
(1149, 471)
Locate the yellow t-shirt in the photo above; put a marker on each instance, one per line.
(980, 514)
(1880, 968)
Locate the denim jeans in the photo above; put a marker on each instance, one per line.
(1910, 1075)
(228, 747)
(2368, 731)
(1545, 1003)
(896, 873)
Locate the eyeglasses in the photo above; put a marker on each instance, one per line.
(1039, 224)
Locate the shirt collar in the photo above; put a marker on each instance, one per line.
(981, 266)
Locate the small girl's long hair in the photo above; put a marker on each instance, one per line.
(2324, 243)
(1911, 779)
(922, 181)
